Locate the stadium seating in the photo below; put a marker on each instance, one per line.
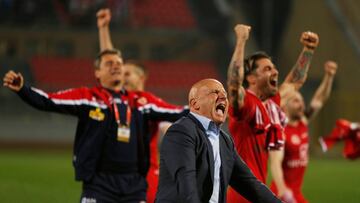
(168, 79)
(160, 14)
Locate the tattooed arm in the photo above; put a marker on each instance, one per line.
(323, 91)
(235, 75)
(297, 76)
(103, 21)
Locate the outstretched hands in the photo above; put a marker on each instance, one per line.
(13, 81)
(103, 17)
(310, 40)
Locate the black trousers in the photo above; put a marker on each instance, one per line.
(114, 188)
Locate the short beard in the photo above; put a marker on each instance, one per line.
(267, 94)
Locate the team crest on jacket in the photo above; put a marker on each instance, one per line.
(96, 114)
(142, 101)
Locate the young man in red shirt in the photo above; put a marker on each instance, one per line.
(256, 121)
(288, 165)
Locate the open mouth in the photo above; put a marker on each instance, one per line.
(220, 108)
(116, 71)
(273, 82)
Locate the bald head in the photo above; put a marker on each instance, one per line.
(197, 86)
(294, 106)
(208, 98)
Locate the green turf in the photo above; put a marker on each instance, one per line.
(42, 176)
(332, 180)
(37, 177)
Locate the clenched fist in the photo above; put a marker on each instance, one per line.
(103, 17)
(330, 68)
(310, 40)
(13, 81)
(242, 32)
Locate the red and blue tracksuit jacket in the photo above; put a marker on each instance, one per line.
(95, 147)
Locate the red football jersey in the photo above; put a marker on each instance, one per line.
(250, 128)
(295, 159)
(347, 131)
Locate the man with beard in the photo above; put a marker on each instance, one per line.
(256, 120)
(288, 164)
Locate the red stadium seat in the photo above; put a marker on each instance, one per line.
(161, 14)
(173, 79)
(168, 79)
(53, 73)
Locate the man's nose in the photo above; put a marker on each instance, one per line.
(275, 71)
(222, 95)
(116, 66)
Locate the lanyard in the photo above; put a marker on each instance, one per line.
(117, 115)
(116, 110)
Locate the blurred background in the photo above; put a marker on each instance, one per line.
(53, 43)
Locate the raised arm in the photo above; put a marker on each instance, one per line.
(103, 21)
(235, 75)
(323, 91)
(297, 76)
(67, 101)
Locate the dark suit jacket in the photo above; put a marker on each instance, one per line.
(187, 167)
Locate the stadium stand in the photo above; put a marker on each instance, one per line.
(146, 13)
(168, 79)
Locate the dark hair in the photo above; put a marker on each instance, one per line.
(250, 64)
(137, 64)
(105, 52)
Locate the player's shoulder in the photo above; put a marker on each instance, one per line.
(250, 97)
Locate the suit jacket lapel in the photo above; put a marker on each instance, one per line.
(224, 156)
(210, 154)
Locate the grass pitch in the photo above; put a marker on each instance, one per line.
(48, 176)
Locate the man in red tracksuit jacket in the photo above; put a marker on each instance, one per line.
(110, 149)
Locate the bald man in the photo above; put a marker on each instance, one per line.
(198, 160)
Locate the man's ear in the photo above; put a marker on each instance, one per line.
(143, 78)
(251, 79)
(194, 104)
(97, 74)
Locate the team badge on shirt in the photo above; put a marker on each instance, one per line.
(96, 114)
(295, 139)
